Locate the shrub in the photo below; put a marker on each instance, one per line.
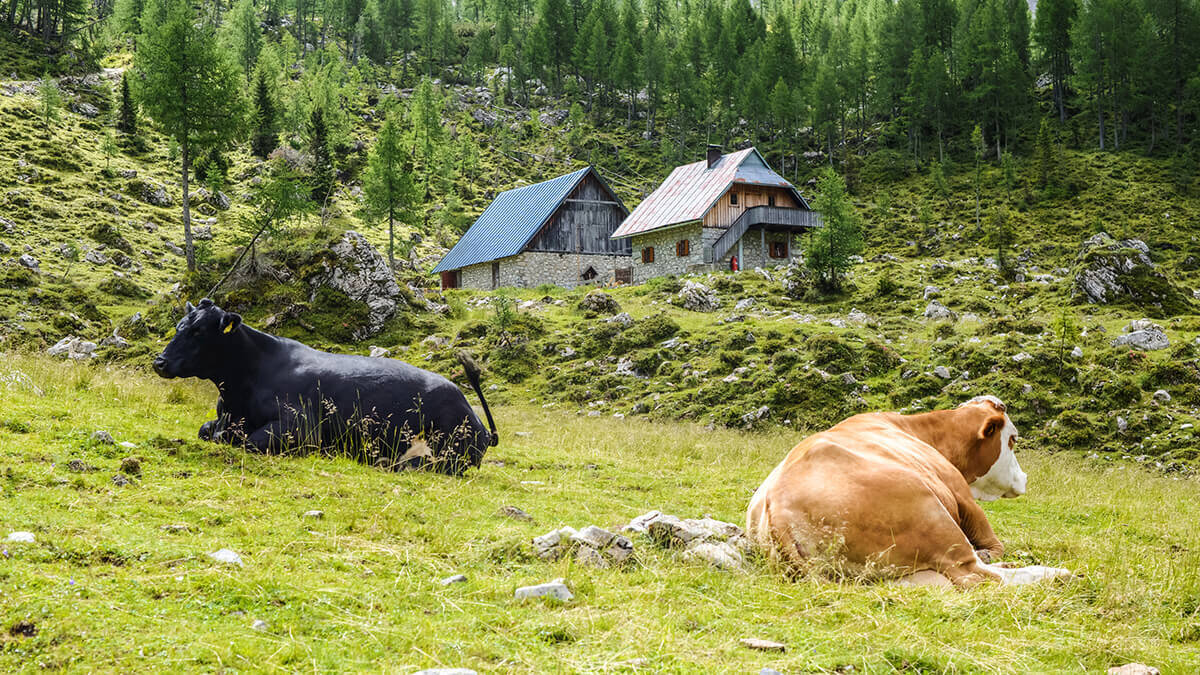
(831, 353)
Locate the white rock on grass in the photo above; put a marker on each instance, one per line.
(455, 579)
(763, 645)
(226, 556)
(1133, 669)
(1162, 396)
(553, 589)
(73, 348)
(102, 436)
(937, 311)
(314, 513)
(716, 553)
(942, 372)
(1077, 352)
(1147, 339)
(379, 352)
(446, 671)
(259, 625)
(21, 538)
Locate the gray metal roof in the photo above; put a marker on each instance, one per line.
(510, 221)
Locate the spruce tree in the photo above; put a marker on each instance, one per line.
(323, 173)
(265, 131)
(840, 236)
(127, 122)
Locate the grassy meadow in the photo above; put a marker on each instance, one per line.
(119, 580)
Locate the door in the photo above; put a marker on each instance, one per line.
(495, 275)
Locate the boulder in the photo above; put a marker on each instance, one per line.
(938, 312)
(226, 556)
(1133, 669)
(73, 348)
(622, 318)
(86, 109)
(697, 297)
(29, 261)
(554, 589)
(155, 195)
(96, 257)
(599, 302)
(1143, 334)
(719, 554)
(553, 118)
(1109, 271)
(357, 269)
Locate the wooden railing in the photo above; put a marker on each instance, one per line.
(762, 215)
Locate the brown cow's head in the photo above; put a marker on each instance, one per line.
(993, 461)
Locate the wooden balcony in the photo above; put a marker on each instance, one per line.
(772, 218)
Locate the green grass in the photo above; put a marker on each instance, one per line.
(109, 590)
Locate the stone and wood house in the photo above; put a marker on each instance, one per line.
(555, 232)
(724, 212)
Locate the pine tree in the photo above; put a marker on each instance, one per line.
(324, 176)
(387, 183)
(265, 130)
(49, 102)
(840, 236)
(189, 87)
(127, 121)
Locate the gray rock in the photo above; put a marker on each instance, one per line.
(73, 348)
(1162, 396)
(697, 297)
(120, 480)
(446, 671)
(755, 415)
(600, 302)
(931, 292)
(1110, 271)
(857, 316)
(315, 514)
(719, 554)
(359, 271)
(103, 436)
(1077, 352)
(379, 352)
(593, 536)
(226, 556)
(553, 118)
(96, 257)
(86, 109)
(763, 645)
(21, 538)
(259, 625)
(669, 530)
(455, 579)
(1146, 340)
(1133, 669)
(513, 512)
(938, 312)
(1022, 357)
(849, 379)
(743, 304)
(554, 589)
(29, 262)
(155, 195)
(202, 233)
(943, 372)
(586, 555)
(115, 340)
(625, 367)
(553, 544)
(1122, 425)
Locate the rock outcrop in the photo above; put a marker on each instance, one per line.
(357, 269)
(1110, 271)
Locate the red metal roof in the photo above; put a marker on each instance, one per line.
(691, 190)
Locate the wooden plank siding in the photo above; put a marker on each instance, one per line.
(723, 214)
(584, 223)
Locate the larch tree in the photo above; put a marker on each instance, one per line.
(388, 183)
(241, 34)
(189, 87)
(840, 236)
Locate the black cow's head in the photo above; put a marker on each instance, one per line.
(200, 345)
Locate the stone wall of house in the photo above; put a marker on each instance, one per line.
(754, 254)
(532, 269)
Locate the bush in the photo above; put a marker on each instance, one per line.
(105, 233)
(831, 353)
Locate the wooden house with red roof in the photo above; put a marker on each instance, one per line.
(724, 212)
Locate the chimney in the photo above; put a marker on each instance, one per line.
(713, 155)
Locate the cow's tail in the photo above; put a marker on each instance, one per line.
(473, 374)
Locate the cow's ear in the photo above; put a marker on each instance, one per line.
(189, 307)
(991, 426)
(230, 322)
(206, 303)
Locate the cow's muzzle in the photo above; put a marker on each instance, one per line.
(160, 367)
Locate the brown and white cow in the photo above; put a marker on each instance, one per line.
(895, 494)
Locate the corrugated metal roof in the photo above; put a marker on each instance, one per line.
(691, 190)
(510, 221)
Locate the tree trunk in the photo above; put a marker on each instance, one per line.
(391, 239)
(1100, 114)
(188, 247)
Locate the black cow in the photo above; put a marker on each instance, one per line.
(279, 395)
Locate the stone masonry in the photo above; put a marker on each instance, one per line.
(666, 262)
(532, 269)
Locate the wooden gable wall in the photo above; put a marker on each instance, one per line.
(723, 213)
(584, 223)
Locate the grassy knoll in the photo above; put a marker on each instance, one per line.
(106, 588)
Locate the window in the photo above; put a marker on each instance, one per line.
(733, 199)
(770, 200)
(648, 254)
(779, 249)
(683, 247)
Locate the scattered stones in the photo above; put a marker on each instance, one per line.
(718, 554)
(202, 233)
(1133, 669)
(697, 297)
(155, 195)
(754, 415)
(362, 273)
(29, 262)
(226, 556)
(555, 589)
(21, 538)
(102, 436)
(455, 579)
(314, 514)
(857, 316)
(115, 340)
(599, 302)
(592, 546)
(1022, 357)
(931, 292)
(744, 304)
(625, 367)
(120, 480)
(938, 312)
(259, 625)
(763, 645)
(513, 512)
(80, 466)
(718, 543)
(379, 352)
(73, 348)
(1122, 425)
(1077, 352)
(622, 318)
(131, 466)
(551, 546)
(553, 118)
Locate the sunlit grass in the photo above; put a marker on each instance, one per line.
(109, 590)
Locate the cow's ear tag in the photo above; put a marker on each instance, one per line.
(229, 328)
